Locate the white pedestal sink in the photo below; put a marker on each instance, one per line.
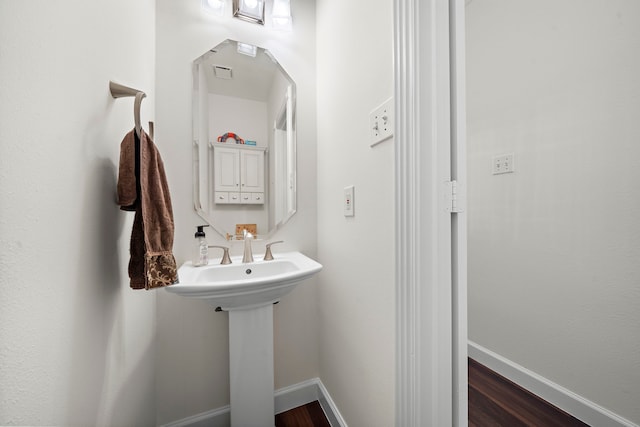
(248, 292)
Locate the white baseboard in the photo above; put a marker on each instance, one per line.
(329, 407)
(285, 398)
(568, 401)
(219, 417)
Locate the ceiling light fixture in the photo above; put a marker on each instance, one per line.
(249, 10)
(281, 15)
(215, 7)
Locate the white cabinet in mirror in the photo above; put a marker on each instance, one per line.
(238, 174)
(244, 140)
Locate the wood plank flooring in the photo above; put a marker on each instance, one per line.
(309, 415)
(494, 401)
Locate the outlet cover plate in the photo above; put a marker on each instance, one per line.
(349, 207)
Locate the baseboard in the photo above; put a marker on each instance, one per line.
(329, 407)
(285, 398)
(219, 417)
(568, 401)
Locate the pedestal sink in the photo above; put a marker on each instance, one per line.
(248, 292)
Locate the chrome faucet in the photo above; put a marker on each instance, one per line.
(248, 255)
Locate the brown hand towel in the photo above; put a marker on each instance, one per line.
(142, 186)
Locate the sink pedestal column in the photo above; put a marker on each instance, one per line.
(251, 367)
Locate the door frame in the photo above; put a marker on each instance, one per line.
(430, 151)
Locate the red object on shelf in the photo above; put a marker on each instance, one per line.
(235, 136)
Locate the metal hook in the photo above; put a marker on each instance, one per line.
(119, 91)
(136, 111)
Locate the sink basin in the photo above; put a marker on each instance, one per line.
(242, 286)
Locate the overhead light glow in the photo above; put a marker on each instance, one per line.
(250, 4)
(247, 49)
(281, 15)
(254, 11)
(215, 7)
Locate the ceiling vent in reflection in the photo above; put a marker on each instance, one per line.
(222, 72)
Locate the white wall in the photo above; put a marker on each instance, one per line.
(76, 343)
(245, 117)
(193, 361)
(554, 247)
(356, 292)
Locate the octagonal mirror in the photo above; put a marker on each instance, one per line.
(244, 140)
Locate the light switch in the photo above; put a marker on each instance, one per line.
(503, 164)
(381, 122)
(349, 208)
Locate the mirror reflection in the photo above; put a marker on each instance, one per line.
(244, 141)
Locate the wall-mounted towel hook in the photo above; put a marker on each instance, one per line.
(136, 111)
(118, 91)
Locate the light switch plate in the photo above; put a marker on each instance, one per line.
(349, 207)
(381, 122)
(503, 164)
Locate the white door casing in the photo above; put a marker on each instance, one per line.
(430, 238)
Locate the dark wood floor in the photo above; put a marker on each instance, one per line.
(309, 415)
(494, 401)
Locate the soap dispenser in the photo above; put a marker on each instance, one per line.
(201, 252)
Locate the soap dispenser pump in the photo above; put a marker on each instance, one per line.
(201, 253)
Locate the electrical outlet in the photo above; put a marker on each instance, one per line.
(503, 164)
(349, 208)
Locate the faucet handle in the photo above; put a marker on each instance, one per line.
(268, 256)
(226, 259)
